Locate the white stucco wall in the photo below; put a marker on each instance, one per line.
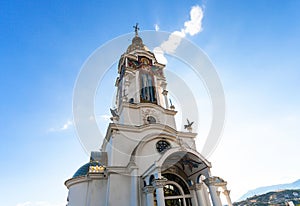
(87, 191)
(77, 194)
(96, 192)
(118, 190)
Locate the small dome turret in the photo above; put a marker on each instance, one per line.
(137, 42)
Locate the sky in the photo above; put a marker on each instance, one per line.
(254, 46)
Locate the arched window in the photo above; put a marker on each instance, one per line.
(148, 93)
(171, 190)
(176, 191)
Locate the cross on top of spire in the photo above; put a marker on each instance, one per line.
(136, 29)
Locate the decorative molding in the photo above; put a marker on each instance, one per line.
(97, 169)
(150, 112)
(147, 105)
(197, 186)
(215, 181)
(164, 129)
(117, 170)
(180, 143)
(159, 183)
(86, 178)
(148, 189)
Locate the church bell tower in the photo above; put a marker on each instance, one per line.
(144, 160)
(141, 88)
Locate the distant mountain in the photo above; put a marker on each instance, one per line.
(263, 190)
(278, 198)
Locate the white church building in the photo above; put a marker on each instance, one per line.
(144, 160)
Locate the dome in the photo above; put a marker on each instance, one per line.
(84, 169)
(137, 44)
(137, 40)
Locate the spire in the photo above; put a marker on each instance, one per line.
(137, 42)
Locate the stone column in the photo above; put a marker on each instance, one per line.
(149, 195)
(226, 193)
(138, 88)
(202, 195)
(194, 195)
(206, 194)
(159, 187)
(126, 89)
(213, 183)
(215, 196)
(134, 186)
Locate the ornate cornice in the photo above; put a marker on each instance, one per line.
(115, 128)
(159, 183)
(88, 177)
(215, 181)
(148, 105)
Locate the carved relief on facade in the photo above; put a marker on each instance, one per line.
(146, 113)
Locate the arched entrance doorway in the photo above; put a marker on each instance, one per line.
(176, 191)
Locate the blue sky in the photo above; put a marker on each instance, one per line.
(253, 44)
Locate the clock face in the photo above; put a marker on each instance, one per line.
(162, 146)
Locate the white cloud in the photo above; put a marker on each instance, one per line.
(156, 27)
(67, 125)
(191, 27)
(159, 54)
(64, 127)
(173, 41)
(194, 25)
(40, 203)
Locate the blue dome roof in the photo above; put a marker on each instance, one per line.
(84, 169)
